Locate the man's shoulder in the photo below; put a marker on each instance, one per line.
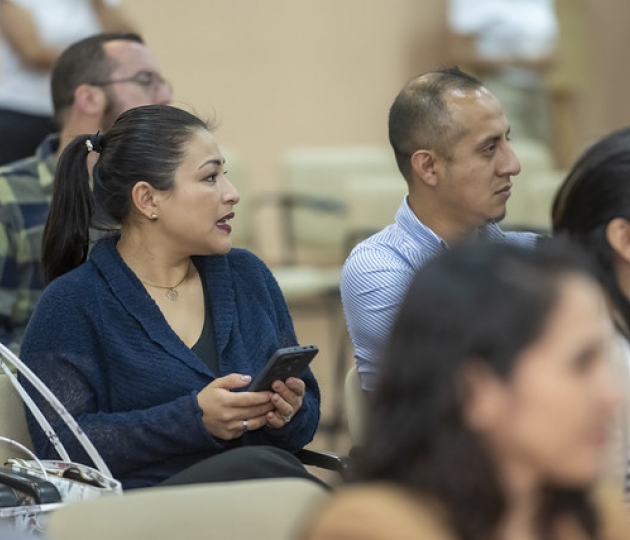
(494, 233)
(380, 264)
(390, 246)
(385, 240)
(20, 181)
(23, 168)
(30, 180)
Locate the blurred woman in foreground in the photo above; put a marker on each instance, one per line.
(493, 409)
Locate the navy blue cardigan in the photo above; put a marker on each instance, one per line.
(102, 345)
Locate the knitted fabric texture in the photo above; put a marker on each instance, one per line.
(102, 345)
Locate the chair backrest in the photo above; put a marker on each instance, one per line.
(529, 206)
(237, 174)
(12, 420)
(254, 509)
(355, 398)
(372, 201)
(322, 172)
(534, 156)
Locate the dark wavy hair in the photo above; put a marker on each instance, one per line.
(596, 191)
(145, 144)
(481, 303)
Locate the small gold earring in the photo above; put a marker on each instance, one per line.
(153, 217)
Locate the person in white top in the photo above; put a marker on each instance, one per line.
(34, 33)
(509, 44)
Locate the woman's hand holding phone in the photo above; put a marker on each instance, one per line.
(274, 397)
(287, 400)
(227, 415)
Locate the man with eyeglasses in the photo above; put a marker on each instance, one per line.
(93, 82)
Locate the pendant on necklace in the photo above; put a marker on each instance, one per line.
(172, 294)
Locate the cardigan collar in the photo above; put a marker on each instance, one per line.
(132, 295)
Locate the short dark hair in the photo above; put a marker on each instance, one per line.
(596, 191)
(145, 144)
(419, 117)
(485, 303)
(83, 62)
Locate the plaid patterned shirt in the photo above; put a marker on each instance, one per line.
(25, 193)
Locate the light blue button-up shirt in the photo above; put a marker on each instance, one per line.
(377, 273)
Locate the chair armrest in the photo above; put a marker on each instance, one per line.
(288, 202)
(326, 460)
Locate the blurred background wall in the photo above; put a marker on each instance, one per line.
(283, 73)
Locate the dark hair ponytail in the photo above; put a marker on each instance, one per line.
(67, 232)
(145, 144)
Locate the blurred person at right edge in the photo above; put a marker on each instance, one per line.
(592, 207)
(510, 46)
(491, 417)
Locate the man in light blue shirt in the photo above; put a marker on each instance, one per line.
(451, 142)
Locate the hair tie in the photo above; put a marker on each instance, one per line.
(95, 143)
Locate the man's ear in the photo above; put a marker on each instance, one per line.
(618, 237)
(482, 395)
(90, 100)
(144, 201)
(423, 165)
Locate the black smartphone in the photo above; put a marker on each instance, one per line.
(285, 363)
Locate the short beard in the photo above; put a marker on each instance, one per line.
(111, 112)
(498, 219)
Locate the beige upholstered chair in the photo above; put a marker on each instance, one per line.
(355, 398)
(534, 188)
(372, 201)
(12, 420)
(254, 509)
(237, 174)
(316, 178)
(314, 225)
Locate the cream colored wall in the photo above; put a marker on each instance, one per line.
(289, 72)
(281, 73)
(608, 100)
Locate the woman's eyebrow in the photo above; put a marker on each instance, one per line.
(212, 162)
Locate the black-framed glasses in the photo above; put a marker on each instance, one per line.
(150, 80)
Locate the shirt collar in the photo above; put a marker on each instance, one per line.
(408, 221)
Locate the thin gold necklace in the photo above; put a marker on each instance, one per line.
(171, 292)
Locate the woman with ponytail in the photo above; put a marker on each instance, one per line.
(151, 337)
